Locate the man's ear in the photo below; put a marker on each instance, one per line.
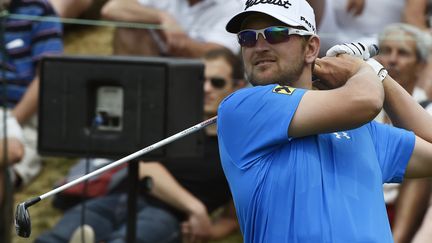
(312, 49)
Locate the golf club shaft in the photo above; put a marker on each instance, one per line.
(131, 156)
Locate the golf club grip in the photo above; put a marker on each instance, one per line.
(132, 156)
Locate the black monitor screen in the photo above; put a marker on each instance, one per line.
(114, 106)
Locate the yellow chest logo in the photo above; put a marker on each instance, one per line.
(287, 90)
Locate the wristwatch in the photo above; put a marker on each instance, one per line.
(382, 74)
(379, 69)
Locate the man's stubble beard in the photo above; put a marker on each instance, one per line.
(286, 75)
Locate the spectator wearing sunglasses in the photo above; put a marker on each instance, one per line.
(219, 81)
(185, 190)
(185, 28)
(308, 165)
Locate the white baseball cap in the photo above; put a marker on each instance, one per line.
(290, 12)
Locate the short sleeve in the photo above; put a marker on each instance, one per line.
(394, 147)
(254, 121)
(47, 37)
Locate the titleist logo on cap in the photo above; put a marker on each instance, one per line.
(282, 3)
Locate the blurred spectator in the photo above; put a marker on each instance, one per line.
(404, 51)
(25, 43)
(189, 28)
(421, 15)
(426, 80)
(424, 234)
(70, 8)
(418, 13)
(185, 190)
(357, 20)
(410, 76)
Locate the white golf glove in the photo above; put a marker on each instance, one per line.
(354, 49)
(361, 51)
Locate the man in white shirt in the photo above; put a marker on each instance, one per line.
(346, 21)
(183, 28)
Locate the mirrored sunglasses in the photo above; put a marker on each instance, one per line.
(272, 34)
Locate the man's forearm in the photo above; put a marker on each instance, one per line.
(404, 111)
(415, 13)
(226, 223)
(411, 205)
(194, 49)
(131, 11)
(167, 189)
(224, 227)
(28, 105)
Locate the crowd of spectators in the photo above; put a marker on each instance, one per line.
(193, 29)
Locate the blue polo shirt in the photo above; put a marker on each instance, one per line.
(322, 188)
